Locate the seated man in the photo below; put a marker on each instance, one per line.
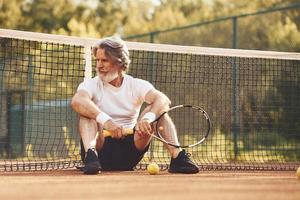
(112, 101)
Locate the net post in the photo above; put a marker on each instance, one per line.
(152, 36)
(152, 72)
(234, 32)
(234, 114)
(234, 107)
(88, 62)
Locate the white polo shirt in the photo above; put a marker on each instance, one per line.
(122, 103)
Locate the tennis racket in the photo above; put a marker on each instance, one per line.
(192, 126)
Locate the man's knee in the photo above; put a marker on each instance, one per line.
(141, 142)
(87, 123)
(85, 120)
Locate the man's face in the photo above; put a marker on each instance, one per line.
(106, 69)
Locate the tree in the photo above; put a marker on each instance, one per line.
(11, 14)
(42, 16)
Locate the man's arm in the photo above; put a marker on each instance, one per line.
(83, 105)
(159, 103)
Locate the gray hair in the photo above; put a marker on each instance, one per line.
(116, 49)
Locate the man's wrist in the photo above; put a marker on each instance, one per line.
(102, 118)
(150, 116)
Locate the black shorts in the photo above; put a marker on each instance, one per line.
(120, 154)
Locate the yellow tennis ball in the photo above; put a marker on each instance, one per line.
(153, 168)
(298, 172)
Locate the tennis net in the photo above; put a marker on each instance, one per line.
(251, 96)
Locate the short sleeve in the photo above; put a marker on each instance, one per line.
(89, 86)
(143, 87)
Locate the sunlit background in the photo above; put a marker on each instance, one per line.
(252, 97)
(249, 24)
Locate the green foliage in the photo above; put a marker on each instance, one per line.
(269, 112)
(11, 13)
(91, 18)
(25, 62)
(277, 123)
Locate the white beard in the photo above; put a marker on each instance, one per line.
(107, 78)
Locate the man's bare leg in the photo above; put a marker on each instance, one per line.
(88, 129)
(169, 132)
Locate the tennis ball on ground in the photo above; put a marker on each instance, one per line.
(153, 168)
(298, 173)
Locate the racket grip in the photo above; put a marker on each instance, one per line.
(128, 131)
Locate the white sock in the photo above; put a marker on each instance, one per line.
(92, 144)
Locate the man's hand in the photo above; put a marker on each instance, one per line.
(117, 132)
(143, 128)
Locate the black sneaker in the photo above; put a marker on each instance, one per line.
(183, 164)
(92, 165)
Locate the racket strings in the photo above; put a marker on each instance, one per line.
(191, 126)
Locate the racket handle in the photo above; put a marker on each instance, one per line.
(128, 131)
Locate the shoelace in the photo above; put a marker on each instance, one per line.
(187, 157)
(93, 150)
